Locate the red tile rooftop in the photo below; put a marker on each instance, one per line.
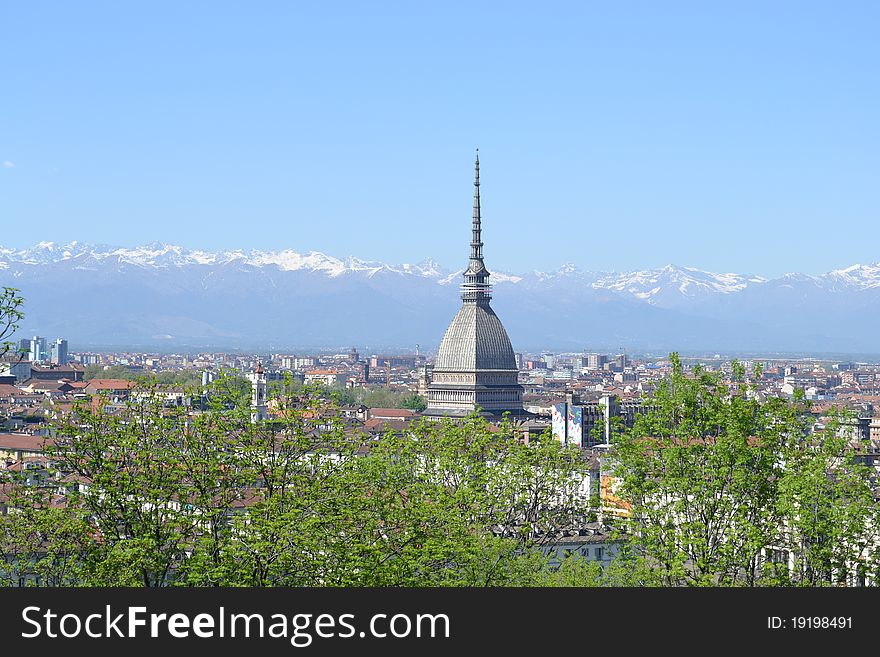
(7, 390)
(111, 384)
(379, 424)
(391, 413)
(25, 442)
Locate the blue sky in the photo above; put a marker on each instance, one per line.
(735, 136)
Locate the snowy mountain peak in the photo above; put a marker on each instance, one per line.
(861, 276)
(289, 260)
(668, 286)
(657, 285)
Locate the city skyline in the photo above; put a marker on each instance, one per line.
(736, 139)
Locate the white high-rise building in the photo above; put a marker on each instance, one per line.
(59, 354)
(208, 376)
(39, 349)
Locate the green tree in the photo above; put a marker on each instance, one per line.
(700, 472)
(138, 494)
(718, 481)
(167, 495)
(111, 372)
(11, 314)
(828, 508)
(183, 378)
(447, 504)
(463, 505)
(414, 403)
(628, 569)
(42, 543)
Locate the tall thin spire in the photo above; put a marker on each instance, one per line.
(476, 276)
(477, 239)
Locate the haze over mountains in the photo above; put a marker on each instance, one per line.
(170, 297)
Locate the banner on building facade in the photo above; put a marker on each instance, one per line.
(558, 417)
(575, 425)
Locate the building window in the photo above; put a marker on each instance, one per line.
(777, 556)
(598, 553)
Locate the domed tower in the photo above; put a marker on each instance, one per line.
(475, 367)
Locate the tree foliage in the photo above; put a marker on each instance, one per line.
(720, 483)
(374, 397)
(158, 495)
(721, 489)
(11, 314)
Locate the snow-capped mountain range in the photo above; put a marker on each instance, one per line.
(165, 294)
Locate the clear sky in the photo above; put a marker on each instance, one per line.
(731, 136)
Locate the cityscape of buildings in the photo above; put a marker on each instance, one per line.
(29, 388)
(580, 398)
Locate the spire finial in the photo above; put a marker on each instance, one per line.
(476, 277)
(477, 240)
